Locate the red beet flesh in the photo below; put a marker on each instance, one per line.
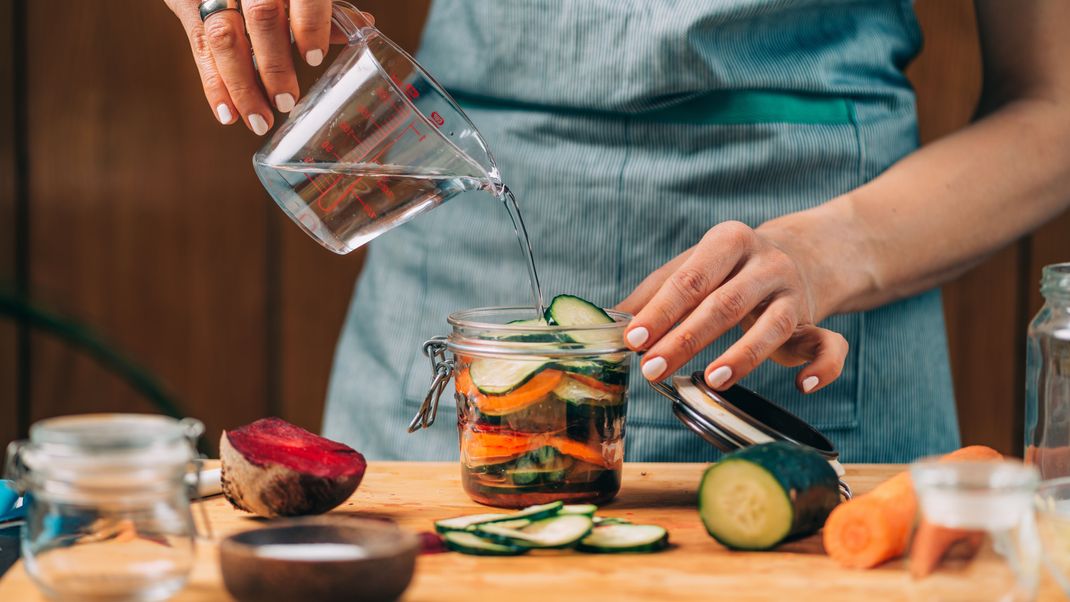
(273, 468)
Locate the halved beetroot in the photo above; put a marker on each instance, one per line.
(273, 468)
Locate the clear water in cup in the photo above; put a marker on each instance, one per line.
(375, 143)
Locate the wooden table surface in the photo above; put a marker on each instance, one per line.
(695, 568)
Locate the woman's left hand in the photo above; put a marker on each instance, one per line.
(735, 275)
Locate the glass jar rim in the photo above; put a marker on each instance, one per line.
(469, 324)
(973, 475)
(74, 447)
(1055, 279)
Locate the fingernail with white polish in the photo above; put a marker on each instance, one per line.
(654, 368)
(314, 57)
(809, 383)
(637, 336)
(222, 112)
(719, 376)
(260, 126)
(284, 102)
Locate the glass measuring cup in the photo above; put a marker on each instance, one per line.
(374, 143)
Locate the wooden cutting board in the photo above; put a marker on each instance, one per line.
(695, 568)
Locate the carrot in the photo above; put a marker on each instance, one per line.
(594, 383)
(580, 451)
(490, 448)
(528, 394)
(462, 383)
(932, 543)
(876, 527)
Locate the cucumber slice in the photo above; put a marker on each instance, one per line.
(538, 512)
(610, 520)
(462, 523)
(570, 310)
(573, 391)
(608, 372)
(612, 539)
(519, 523)
(531, 322)
(497, 377)
(534, 337)
(531, 513)
(580, 509)
(763, 495)
(555, 532)
(468, 543)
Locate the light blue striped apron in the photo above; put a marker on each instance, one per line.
(628, 128)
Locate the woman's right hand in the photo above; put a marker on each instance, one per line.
(223, 48)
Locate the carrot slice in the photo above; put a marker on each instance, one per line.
(876, 527)
(491, 448)
(530, 393)
(580, 451)
(594, 383)
(462, 383)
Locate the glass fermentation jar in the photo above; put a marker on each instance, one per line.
(540, 409)
(108, 505)
(1047, 383)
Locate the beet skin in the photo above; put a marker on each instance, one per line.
(273, 468)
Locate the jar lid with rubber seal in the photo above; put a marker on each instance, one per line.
(738, 417)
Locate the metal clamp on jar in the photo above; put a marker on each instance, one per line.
(108, 505)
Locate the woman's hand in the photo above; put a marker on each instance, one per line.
(735, 275)
(224, 45)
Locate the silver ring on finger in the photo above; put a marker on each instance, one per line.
(210, 7)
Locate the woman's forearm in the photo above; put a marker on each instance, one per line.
(938, 211)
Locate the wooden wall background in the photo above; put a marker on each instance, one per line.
(124, 203)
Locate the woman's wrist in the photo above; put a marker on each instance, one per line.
(829, 247)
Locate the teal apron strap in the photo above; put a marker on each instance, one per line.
(719, 107)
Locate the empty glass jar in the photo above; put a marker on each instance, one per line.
(1047, 382)
(109, 505)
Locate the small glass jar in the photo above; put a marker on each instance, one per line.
(109, 505)
(977, 537)
(540, 409)
(1047, 379)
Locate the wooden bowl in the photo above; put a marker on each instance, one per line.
(292, 569)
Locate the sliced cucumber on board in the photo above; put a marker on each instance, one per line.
(582, 509)
(531, 513)
(560, 531)
(763, 495)
(497, 377)
(462, 523)
(610, 520)
(553, 525)
(537, 512)
(612, 539)
(468, 543)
